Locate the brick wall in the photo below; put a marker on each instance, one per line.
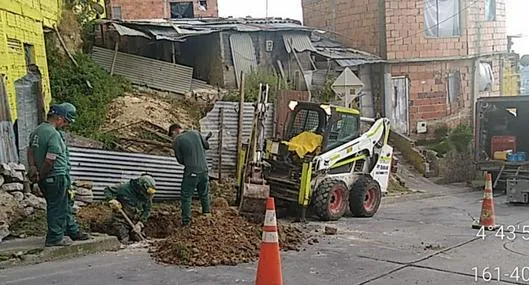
(356, 22)
(486, 37)
(406, 38)
(428, 92)
(154, 9)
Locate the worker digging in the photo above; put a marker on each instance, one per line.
(132, 204)
(189, 148)
(49, 161)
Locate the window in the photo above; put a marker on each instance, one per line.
(116, 13)
(343, 130)
(304, 120)
(203, 3)
(453, 87)
(182, 10)
(490, 10)
(29, 53)
(442, 18)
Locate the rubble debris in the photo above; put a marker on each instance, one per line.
(12, 187)
(19, 196)
(331, 230)
(83, 193)
(140, 121)
(95, 217)
(4, 230)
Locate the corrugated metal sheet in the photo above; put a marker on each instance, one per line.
(145, 71)
(8, 149)
(299, 41)
(243, 52)
(27, 110)
(229, 139)
(126, 31)
(199, 84)
(104, 168)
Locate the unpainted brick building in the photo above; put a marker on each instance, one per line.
(441, 54)
(161, 9)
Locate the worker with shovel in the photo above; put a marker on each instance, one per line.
(132, 203)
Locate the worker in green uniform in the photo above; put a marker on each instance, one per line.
(49, 166)
(135, 199)
(189, 147)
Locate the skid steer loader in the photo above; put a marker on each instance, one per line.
(323, 163)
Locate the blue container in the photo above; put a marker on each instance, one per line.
(523, 156)
(517, 156)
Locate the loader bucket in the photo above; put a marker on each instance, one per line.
(253, 201)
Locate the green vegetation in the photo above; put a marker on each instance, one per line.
(251, 86)
(458, 140)
(90, 88)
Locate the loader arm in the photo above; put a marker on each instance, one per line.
(375, 137)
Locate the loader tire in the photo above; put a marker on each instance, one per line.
(329, 201)
(364, 197)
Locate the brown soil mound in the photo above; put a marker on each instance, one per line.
(223, 239)
(96, 218)
(224, 188)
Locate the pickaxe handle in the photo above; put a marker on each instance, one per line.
(130, 222)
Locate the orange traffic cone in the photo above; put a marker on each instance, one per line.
(487, 220)
(269, 267)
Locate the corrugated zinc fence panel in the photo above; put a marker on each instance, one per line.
(145, 71)
(228, 153)
(104, 168)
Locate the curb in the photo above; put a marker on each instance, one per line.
(32, 255)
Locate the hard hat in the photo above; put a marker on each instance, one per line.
(70, 111)
(65, 110)
(147, 183)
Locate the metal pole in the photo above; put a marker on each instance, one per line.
(221, 131)
(241, 117)
(116, 47)
(266, 13)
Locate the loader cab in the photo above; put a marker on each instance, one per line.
(336, 125)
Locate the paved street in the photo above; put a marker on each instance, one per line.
(428, 241)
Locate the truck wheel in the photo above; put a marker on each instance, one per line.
(365, 197)
(330, 199)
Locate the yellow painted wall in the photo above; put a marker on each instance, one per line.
(511, 81)
(21, 22)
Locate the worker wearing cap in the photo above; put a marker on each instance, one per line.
(189, 147)
(135, 199)
(49, 166)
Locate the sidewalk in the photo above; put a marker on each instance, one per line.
(32, 251)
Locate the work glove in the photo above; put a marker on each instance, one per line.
(209, 135)
(71, 192)
(114, 204)
(138, 227)
(33, 174)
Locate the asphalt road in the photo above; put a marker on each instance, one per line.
(428, 241)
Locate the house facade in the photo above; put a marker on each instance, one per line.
(22, 43)
(441, 54)
(161, 9)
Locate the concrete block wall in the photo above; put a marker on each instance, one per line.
(357, 23)
(154, 9)
(21, 22)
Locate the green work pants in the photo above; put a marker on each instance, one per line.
(72, 227)
(192, 181)
(58, 210)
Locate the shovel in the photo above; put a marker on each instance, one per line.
(131, 224)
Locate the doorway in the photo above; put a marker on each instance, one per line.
(398, 113)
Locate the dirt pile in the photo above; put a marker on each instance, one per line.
(140, 121)
(95, 218)
(224, 188)
(225, 238)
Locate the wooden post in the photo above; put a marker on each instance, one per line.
(219, 147)
(241, 117)
(116, 47)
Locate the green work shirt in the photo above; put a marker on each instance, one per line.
(69, 166)
(189, 148)
(44, 141)
(135, 205)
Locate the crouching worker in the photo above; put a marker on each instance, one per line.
(135, 199)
